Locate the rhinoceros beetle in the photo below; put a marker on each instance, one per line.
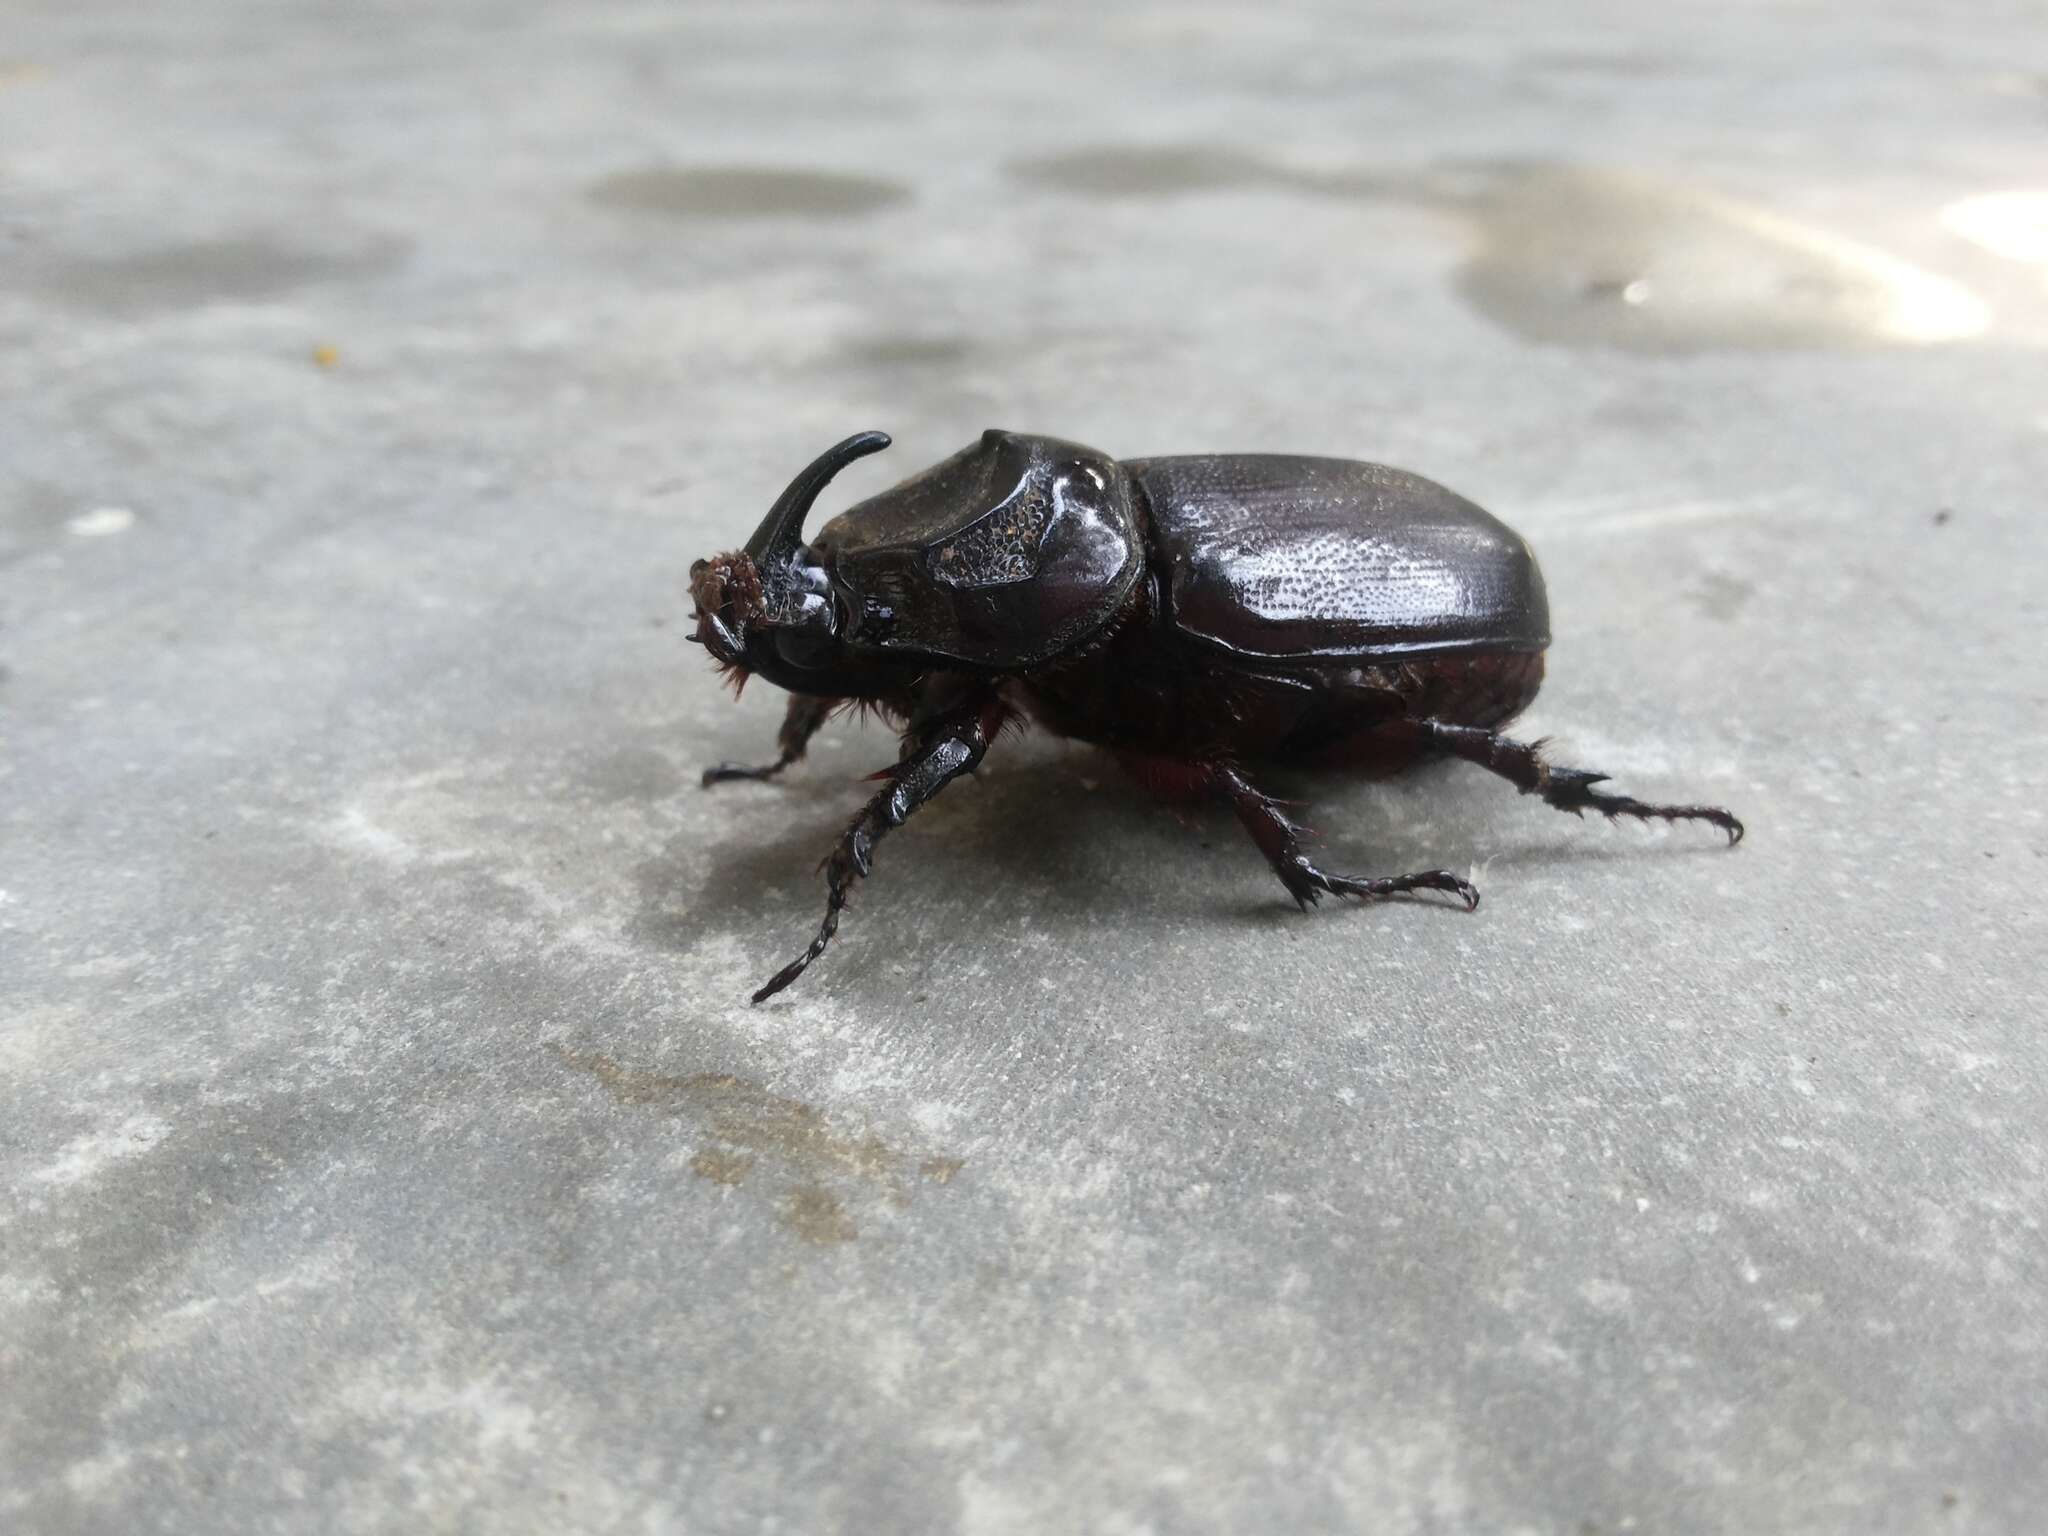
(1193, 615)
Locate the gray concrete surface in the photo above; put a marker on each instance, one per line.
(388, 1143)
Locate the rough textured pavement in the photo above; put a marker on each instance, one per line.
(387, 1141)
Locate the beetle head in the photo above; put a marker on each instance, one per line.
(769, 608)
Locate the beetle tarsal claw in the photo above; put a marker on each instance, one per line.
(782, 978)
(726, 773)
(797, 967)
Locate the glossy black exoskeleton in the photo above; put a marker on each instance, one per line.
(1193, 615)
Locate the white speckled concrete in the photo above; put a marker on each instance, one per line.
(387, 1141)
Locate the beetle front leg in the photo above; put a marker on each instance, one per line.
(1569, 789)
(806, 713)
(944, 749)
(1280, 841)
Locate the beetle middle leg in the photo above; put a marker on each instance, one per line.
(939, 751)
(1280, 841)
(807, 711)
(1569, 789)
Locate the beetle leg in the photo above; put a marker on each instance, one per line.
(1280, 841)
(1569, 789)
(950, 745)
(806, 713)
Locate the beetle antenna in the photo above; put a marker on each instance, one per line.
(783, 528)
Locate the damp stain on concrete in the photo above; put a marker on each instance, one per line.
(239, 269)
(1720, 596)
(1590, 256)
(1138, 171)
(720, 1166)
(746, 192)
(906, 350)
(1148, 170)
(747, 1128)
(747, 1115)
(814, 1214)
(743, 1114)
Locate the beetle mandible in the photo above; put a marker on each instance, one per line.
(1194, 615)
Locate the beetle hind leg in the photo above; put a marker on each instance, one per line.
(1569, 789)
(1280, 841)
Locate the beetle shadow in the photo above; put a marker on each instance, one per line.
(1061, 833)
(996, 829)
(1607, 852)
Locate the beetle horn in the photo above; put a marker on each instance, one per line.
(783, 528)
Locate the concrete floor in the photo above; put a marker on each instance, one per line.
(388, 1142)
